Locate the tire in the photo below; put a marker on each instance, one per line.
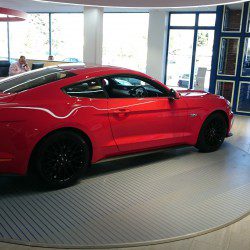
(61, 159)
(212, 133)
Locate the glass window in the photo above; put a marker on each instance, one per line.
(225, 89)
(203, 60)
(182, 20)
(232, 17)
(248, 20)
(32, 79)
(31, 37)
(244, 97)
(245, 70)
(179, 57)
(228, 56)
(89, 89)
(125, 40)
(67, 37)
(127, 87)
(207, 19)
(3, 41)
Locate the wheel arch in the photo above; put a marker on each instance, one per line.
(219, 111)
(69, 129)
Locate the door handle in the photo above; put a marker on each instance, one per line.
(121, 112)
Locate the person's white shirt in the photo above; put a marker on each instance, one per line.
(18, 68)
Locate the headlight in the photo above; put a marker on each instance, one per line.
(228, 103)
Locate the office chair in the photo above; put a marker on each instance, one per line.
(4, 68)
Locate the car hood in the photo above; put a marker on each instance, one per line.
(192, 93)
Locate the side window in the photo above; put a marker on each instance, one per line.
(129, 87)
(90, 89)
(32, 79)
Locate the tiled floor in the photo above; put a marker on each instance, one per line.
(233, 237)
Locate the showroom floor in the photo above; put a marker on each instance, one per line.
(236, 159)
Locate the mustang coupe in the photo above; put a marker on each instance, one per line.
(58, 120)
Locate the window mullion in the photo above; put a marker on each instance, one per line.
(194, 51)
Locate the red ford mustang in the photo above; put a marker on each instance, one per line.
(57, 120)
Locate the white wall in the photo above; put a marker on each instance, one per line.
(157, 35)
(93, 35)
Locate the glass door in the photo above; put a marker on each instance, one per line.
(180, 57)
(203, 59)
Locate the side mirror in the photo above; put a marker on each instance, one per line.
(173, 95)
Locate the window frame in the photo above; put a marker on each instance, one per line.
(196, 28)
(83, 81)
(238, 97)
(147, 80)
(224, 81)
(183, 14)
(50, 13)
(237, 55)
(223, 19)
(243, 56)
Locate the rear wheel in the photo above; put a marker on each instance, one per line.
(61, 159)
(212, 134)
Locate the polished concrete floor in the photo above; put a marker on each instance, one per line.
(235, 236)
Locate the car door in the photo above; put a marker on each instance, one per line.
(141, 115)
(90, 106)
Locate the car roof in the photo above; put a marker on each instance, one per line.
(80, 68)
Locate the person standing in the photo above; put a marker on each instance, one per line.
(19, 67)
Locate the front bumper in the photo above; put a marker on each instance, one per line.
(231, 122)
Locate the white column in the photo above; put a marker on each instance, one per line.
(93, 35)
(157, 34)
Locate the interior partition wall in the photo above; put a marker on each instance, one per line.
(230, 75)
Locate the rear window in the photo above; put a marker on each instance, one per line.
(32, 79)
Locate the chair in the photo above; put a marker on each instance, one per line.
(4, 68)
(37, 65)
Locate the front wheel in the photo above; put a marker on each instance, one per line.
(61, 159)
(212, 133)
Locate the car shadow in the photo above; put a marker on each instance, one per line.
(21, 185)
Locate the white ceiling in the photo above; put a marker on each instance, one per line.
(48, 6)
(148, 3)
(40, 6)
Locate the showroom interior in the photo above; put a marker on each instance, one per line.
(173, 198)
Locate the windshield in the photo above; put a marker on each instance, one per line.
(32, 79)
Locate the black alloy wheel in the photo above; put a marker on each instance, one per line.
(62, 158)
(212, 134)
